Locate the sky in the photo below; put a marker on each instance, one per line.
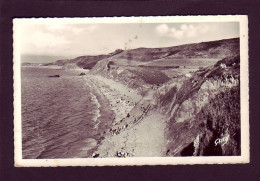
(72, 40)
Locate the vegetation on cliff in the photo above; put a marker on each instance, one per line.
(204, 111)
(213, 49)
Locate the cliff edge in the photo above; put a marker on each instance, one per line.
(195, 87)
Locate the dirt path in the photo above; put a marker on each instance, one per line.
(149, 136)
(146, 139)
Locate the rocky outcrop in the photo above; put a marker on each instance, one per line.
(204, 111)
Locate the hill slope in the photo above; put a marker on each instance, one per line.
(213, 49)
(205, 50)
(201, 103)
(146, 67)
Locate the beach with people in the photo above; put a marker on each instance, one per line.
(135, 130)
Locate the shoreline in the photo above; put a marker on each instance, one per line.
(139, 131)
(105, 118)
(121, 98)
(145, 139)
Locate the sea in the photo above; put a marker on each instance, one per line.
(60, 116)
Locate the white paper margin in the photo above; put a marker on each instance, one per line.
(244, 82)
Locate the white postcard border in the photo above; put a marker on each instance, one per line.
(244, 78)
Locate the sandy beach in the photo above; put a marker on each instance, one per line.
(122, 99)
(136, 130)
(145, 139)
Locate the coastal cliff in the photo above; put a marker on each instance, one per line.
(85, 62)
(204, 111)
(195, 87)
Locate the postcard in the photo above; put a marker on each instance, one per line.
(115, 91)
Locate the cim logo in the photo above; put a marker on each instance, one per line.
(222, 141)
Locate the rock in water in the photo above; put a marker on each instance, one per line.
(82, 73)
(54, 76)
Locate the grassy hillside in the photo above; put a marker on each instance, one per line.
(148, 67)
(169, 56)
(213, 49)
(86, 62)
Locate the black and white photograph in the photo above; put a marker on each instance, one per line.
(131, 91)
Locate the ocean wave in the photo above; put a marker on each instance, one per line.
(58, 115)
(96, 111)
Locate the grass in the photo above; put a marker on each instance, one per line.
(183, 62)
(150, 75)
(223, 112)
(222, 116)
